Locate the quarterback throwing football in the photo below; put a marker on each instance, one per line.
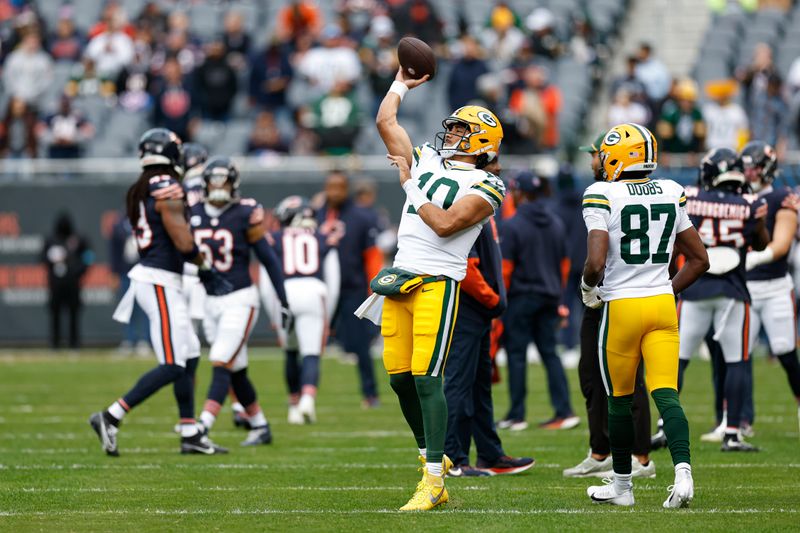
(448, 199)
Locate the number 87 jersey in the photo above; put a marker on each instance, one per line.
(642, 218)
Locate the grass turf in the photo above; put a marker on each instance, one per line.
(351, 470)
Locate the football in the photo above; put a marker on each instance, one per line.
(416, 58)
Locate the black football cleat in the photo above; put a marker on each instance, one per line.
(106, 432)
(256, 436)
(733, 443)
(201, 443)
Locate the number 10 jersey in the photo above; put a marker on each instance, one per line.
(642, 218)
(444, 182)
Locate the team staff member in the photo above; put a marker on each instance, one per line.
(534, 249)
(598, 462)
(468, 373)
(355, 229)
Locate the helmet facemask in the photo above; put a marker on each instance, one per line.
(459, 142)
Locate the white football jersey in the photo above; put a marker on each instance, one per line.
(642, 218)
(444, 182)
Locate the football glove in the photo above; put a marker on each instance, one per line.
(590, 296)
(755, 259)
(213, 282)
(287, 319)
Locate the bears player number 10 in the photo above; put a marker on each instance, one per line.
(300, 253)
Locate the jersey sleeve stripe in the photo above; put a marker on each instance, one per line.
(492, 192)
(597, 205)
(682, 201)
(596, 201)
(417, 153)
(594, 197)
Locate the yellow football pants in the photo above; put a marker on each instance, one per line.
(417, 328)
(634, 328)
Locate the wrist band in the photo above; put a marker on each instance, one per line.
(191, 254)
(399, 88)
(585, 286)
(414, 195)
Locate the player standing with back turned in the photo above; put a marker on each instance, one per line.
(448, 199)
(634, 223)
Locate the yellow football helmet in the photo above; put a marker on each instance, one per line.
(483, 136)
(628, 148)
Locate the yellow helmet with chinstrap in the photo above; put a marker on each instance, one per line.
(628, 148)
(482, 138)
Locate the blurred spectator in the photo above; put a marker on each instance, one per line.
(726, 121)
(123, 255)
(523, 103)
(66, 43)
(417, 18)
(28, 70)
(66, 131)
(132, 82)
(113, 15)
(630, 82)
(111, 50)
(379, 56)
(67, 256)
(769, 117)
(172, 100)
(335, 119)
(18, 130)
(236, 40)
(653, 74)
(502, 39)
(270, 75)
(297, 18)
(215, 83)
(152, 18)
(545, 43)
(333, 62)
(462, 86)
(755, 75)
(266, 136)
(626, 110)
(179, 42)
(681, 128)
(84, 81)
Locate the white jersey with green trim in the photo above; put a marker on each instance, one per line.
(444, 182)
(642, 218)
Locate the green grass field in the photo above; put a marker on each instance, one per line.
(353, 469)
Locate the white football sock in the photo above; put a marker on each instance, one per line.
(237, 407)
(117, 411)
(189, 430)
(622, 482)
(207, 419)
(423, 451)
(434, 469)
(258, 420)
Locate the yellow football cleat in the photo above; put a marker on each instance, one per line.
(430, 491)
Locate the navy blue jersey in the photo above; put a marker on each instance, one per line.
(723, 219)
(301, 251)
(354, 229)
(777, 199)
(194, 188)
(156, 249)
(221, 234)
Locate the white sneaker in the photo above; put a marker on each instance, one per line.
(570, 358)
(608, 494)
(295, 417)
(715, 435)
(590, 467)
(746, 430)
(307, 408)
(519, 425)
(682, 491)
(640, 470)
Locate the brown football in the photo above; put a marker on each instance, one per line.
(416, 58)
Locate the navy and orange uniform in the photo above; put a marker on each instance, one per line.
(777, 198)
(194, 189)
(221, 234)
(156, 249)
(729, 220)
(301, 250)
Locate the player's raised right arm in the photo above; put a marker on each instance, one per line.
(394, 136)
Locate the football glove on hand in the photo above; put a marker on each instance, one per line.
(213, 282)
(287, 319)
(755, 259)
(590, 296)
